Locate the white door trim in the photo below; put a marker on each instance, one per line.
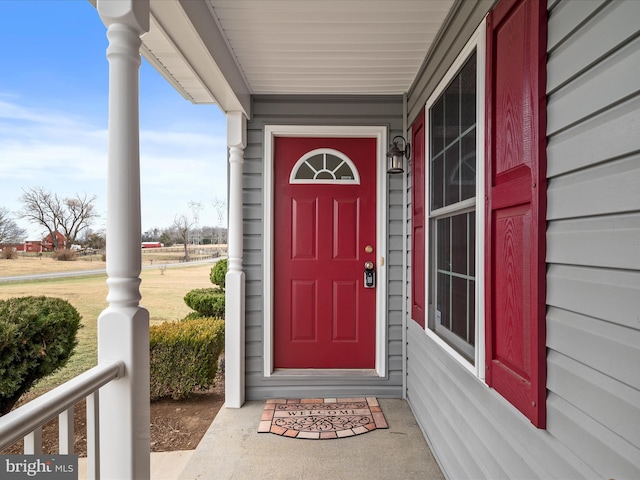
(380, 134)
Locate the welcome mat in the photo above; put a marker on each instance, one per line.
(321, 418)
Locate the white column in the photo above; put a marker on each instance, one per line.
(123, 328)
(234, 314)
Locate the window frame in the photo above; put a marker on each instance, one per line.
(476, 43)
(355, 180)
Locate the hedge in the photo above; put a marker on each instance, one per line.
(37, 337)
(218, 274)
(184, 356)
(208, 302)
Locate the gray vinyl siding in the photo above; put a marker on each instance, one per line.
(464, 18)
(317, 110)
(593, 277)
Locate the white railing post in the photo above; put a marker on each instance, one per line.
(234, 312)
(33, 442)
(123, 328)
(93, 436)
(66, 435)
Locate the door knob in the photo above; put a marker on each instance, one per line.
(369, 275)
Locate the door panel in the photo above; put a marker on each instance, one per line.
(305, 218)
(345, 216)
(324, 317)
(303, 309)
(345, 315)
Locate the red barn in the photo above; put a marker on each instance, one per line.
(152, 245)
(32, 246)
(47, 243)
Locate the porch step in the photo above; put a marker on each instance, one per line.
(164, 465)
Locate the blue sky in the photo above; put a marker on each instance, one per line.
(53, 119)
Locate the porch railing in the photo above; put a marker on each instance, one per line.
(26, 421)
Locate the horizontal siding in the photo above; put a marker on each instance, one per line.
(463, 20)
(598, 241)
(607, 294)
(609, 188)
(316, 110)
(593, 271)
(604, 137)
(473, 431)
(600, 448)
(608, 348)
(593, 279)
(610, 81)
(588, 389)
(567, 18)
(599, 37)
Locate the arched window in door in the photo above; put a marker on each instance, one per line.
(324, 165)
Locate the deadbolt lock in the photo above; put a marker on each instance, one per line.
(369, 275)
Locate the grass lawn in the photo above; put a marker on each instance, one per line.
(162, 295)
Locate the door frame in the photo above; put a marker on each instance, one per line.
(380, 134)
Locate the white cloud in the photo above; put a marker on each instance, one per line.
(67, 155)
(35, 140)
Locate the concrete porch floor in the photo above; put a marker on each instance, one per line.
(232, 448)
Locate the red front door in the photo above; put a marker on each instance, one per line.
(325, 231)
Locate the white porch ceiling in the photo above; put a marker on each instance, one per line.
(214, 50)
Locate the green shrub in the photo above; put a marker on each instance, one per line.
(208, 302)
(37, 337)
(192, 316)
(65, 255)
(184, 356)
(219, 273)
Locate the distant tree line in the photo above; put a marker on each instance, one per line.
(170, 235)
(74, 216)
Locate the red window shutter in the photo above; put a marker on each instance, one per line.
(417, 220)
(516, 204)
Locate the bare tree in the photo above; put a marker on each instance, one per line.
(96, 240)
(152, 235)
(182, 227)
(69, 216)
(10, 232)
(42, 208)
(80, 213)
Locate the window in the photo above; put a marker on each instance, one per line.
(486, 206)
(453, 185)
(324, 165)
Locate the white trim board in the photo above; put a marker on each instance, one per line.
(380, 134)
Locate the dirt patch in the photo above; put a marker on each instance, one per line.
(179, 425)
(175, 424)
